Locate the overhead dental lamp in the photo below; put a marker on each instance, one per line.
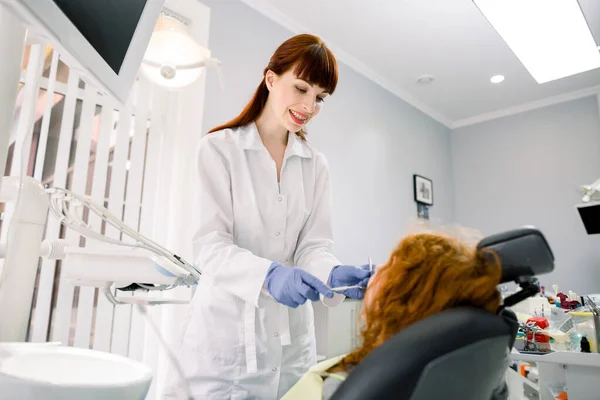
(173, 59)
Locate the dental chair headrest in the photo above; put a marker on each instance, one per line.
(523, 252)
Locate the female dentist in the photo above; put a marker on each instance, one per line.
(265, 236)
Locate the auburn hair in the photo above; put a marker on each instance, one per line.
(312, 61)
(426, 274)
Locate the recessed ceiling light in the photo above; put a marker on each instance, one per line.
(550, 37)
(423, 79)
(497, 78)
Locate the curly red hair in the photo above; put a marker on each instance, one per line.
(426, 274)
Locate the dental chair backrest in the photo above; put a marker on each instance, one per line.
(458, 354)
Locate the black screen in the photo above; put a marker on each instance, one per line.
(108, 25)
(590, 215)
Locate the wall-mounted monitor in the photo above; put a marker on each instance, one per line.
(590, 216)
(102, 40)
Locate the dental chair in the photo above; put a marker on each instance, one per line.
(461, 353)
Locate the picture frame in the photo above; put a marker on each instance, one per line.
(422, 211)
(423, 190)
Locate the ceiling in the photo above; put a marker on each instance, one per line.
(393, 42)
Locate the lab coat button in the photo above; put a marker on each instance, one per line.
(274, 369)
(280, 198)
(278, 233)
(276, 334)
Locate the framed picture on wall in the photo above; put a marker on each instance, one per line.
(422, 211)
(423, 188)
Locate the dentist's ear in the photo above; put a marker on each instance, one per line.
(270, 79)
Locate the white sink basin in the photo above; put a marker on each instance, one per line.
(38, 371)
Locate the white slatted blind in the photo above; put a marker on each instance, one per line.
(120, 328)
(149, 223)
(63, 316)
(85, 309)
(43, 305)
(104, 309)
(134, 198)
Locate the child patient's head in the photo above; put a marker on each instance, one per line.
(426, 274)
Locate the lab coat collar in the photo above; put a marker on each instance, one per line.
(250, 140)
(298, 147)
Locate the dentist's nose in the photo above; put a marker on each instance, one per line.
(310, 109)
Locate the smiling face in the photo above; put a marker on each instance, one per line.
(293, 101)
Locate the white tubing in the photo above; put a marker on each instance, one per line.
(53, 249)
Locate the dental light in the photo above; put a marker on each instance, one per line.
(173, 59)
(550, 37)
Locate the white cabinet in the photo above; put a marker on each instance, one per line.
(578, 371)
(337, 329)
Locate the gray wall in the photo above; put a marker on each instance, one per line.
(526, 169)
(374, 142)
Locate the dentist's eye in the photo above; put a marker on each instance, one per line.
(300, 90)
(320, 100)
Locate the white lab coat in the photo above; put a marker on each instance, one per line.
(238, 343)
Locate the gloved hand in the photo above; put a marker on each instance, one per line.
(370, 268)
(292, 286)
(349, 275)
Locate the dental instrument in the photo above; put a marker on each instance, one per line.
(343, 288)
(339, 289)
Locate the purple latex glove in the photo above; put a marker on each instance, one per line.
(350, 275)
(293, 286)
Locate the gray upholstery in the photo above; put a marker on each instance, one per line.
(472, 372)
(435, 356)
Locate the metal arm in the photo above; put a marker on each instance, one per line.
(596, 317)
(68, 207)
(141, 261)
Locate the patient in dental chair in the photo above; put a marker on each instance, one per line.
(426, 274)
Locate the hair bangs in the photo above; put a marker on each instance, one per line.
(317, 66)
